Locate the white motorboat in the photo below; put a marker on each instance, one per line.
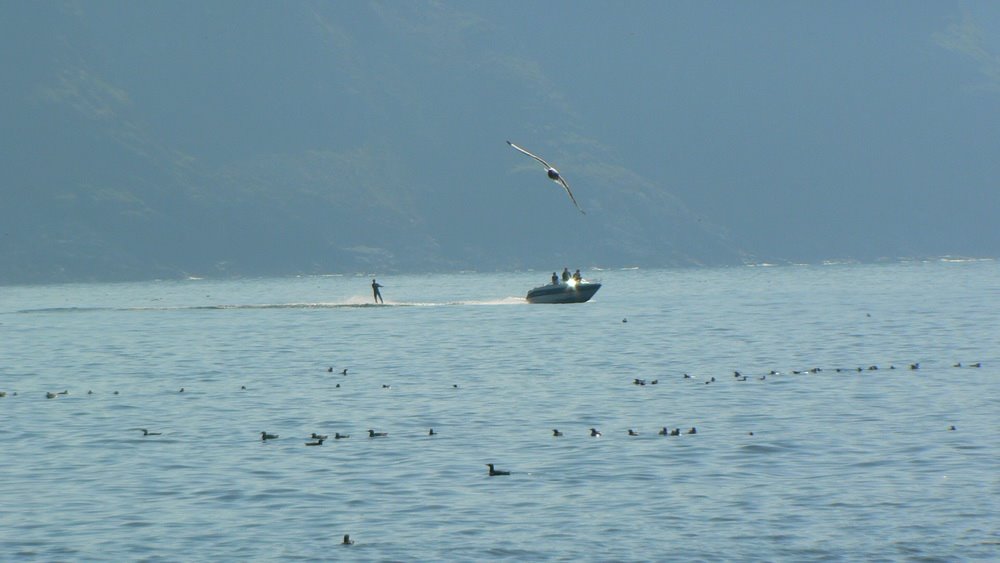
(571, 291)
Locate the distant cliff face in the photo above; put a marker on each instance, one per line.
(163, 140)
(169, 141)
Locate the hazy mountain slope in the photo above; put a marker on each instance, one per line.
(255, 138)
(165, 140)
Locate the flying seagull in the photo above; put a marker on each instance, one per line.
(553, 175)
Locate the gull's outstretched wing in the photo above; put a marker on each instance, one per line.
(545, 164)
(570, 193)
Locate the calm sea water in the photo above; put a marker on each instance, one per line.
(844, 466)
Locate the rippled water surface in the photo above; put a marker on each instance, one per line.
(829, 465)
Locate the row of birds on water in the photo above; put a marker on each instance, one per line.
(631, 432)
(664, 431)
(739, 376)
(57, 394)
(318, 439)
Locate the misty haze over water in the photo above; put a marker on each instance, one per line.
(252, 138)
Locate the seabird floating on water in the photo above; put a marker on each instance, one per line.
(496, 471)
(264, 436)
(316, 436)
(318, 442)
(374, 434)
(595, 432)
(148, 433)
(347, 540)
(556, 432)
(553, 175)
(339, 436)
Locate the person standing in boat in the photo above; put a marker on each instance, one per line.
(565, 275)
(555, 279)
(577, 277)
(376, 292)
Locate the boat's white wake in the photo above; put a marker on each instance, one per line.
(503, 301)
(303, 305)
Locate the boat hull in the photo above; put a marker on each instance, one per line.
(563, 293)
